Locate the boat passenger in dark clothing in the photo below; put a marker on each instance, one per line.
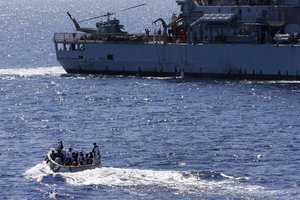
(59, 149)
(75, 158)
(60, 146)
(69, 156)
(89, 158)
(81, 158)
(96, 154)
(53, 154)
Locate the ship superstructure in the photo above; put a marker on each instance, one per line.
(219, 38)
(241, 21)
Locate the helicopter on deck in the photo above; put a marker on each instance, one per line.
(108, 27)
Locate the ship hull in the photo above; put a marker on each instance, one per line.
(268, 61)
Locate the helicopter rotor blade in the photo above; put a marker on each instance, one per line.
(96, 17)
(132, 7)
(109, 14)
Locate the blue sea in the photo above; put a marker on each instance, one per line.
(160, 138)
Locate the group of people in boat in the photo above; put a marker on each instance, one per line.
(69, 157)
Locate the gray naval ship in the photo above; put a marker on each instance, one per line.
(252, 39)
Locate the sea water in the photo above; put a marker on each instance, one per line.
(160, 138)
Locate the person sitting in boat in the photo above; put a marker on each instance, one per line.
(75, 158)
(69, 156)
(81, 159)
(96, 154)
(53, 154)
(58, 160)
(56, 156)
(89, 158)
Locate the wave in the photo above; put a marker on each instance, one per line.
(34, 71)
(211, 183)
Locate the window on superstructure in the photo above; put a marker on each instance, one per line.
(110, 57)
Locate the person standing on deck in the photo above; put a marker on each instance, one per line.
(69, 156)
(60, 150)
(59, 146)
(96, 154)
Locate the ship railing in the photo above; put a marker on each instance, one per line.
(68, 37)
(86, 37)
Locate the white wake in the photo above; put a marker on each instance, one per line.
(176, 180)
(34, 71)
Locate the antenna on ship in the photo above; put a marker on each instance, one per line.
(113, 13)
(74, 21)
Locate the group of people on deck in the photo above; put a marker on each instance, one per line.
(69, 157)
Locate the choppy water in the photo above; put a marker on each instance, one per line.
(160, 138)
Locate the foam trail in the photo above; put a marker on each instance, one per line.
(175, 180)
(38, 172)
(34, 71)
(168, 179)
